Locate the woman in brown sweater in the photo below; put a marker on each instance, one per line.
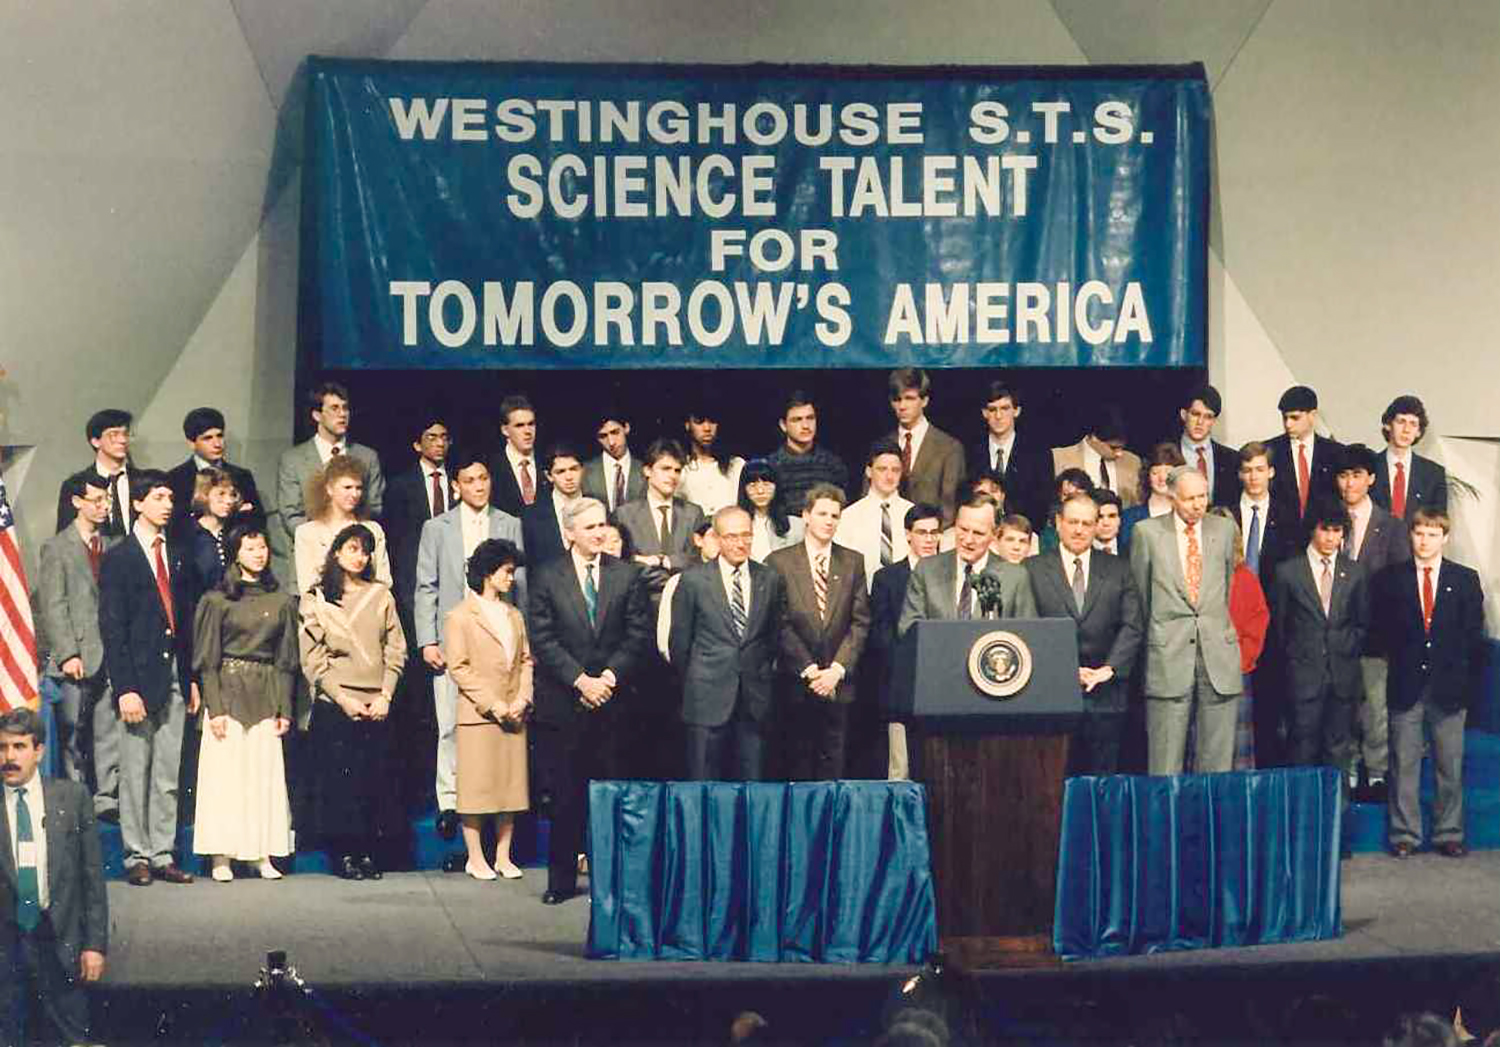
(353, 652)
(490, 662)
(245, 653)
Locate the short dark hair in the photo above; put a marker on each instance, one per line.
(1108, 424)
(77, 486)
(904, 378)
(1016, 522)
(511, 404)
(561, 449)
(1168, 453)
(200, 420)
(22, 720)
(1210, 397)
(664, 447)
(488, 557)
(922, 511)
(1103, 497)
(1327, 513)
(986, 475)
(610, 413)
(703, 527)
(998, 390)
(322, 389)
(232, 584)
(1405, 404)
(1356, 457)
(109, 418)
(794, 399)
(880, 448)
(144, 481)
(434, 414)
(979, 501)
(1298, 398)
(462, 458)
(1075, 476)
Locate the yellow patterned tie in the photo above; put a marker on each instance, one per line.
(1194, 565)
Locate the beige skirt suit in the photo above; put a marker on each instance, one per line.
(489, 660)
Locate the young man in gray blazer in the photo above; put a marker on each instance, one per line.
(1183, 563)
(661, 524)
(68, 605)
(944, 587)
(932, 461)
(443, 553)
(331, 411)
(54, 912)
(1098, 592)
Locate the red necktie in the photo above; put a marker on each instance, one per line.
(163, 585)
(906, 456)
(96, 551)
(439, 505)
(1303, 477)
(528, 488)
(1203, 463)
(1427, 599)
(1398, 492)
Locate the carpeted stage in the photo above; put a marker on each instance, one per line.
(432, 958)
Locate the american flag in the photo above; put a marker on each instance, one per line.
(18, 679)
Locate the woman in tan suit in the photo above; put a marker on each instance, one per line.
(353, 652)
(490, 662)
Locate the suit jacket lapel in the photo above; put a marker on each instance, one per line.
(54, 824)
(945, 591)
(7, 859)
(1091, 591)
(799, 578)
(1309, 584)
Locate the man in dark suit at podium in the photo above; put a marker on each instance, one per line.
(943, 587)
(726, 625)
(1098, 592)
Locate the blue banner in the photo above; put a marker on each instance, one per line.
(545, 216)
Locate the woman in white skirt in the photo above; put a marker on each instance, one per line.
(245, 653)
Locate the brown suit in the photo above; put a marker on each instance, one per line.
(937, 474)
(491, 760)
(1127, 470)
(819, 725)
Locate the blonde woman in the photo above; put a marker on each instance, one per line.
(333, 500)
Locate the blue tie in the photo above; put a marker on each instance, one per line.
(590, 594)
(28, 890)
(1252, 544)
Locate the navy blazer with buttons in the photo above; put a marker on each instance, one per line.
(141, 650)
(1450, 659)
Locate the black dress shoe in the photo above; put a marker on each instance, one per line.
(557, 897)
(1402, 850)
(1452, 849)
(139, 876)
(349, 868)
(447, 824)
(171, 874)
(368, 869)
(455, 862)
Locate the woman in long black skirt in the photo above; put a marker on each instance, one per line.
(353, 652)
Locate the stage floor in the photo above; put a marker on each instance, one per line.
(446, 937)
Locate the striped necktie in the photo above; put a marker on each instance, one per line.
(737, 614)
(887, 536)
(820, 585)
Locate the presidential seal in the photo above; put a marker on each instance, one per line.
(1000, 664)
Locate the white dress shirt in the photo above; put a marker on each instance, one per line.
(655, 503)
(1182, 543)
(1437, 568)
(428, 472)
(475, 525)
(1007, 445)
(35, 807)
(1359, 519)
(515, 458)
(859, 529)
(1392, 456)
(499, 619)
(147, 542)
(1091, 462)
(918, 434)
(1068, 556)
(958, 580)
(726, 575)
(581, 565)
(1248, 506)
(325, 449)
(610, 466)
(1190, 456)
(1315, 561)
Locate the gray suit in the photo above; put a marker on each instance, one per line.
(932, 592)
(297, 466)
(68, 605)
(598, 485)
(1192, 652)
(442, 582)
(1385, 541)
(77, 912)
(644, 526)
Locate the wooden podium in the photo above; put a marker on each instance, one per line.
(994, 768)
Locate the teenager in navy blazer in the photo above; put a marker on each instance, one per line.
(1426, 483)
(149, 657)
(587, 673)
(1434, 667)
(727, 677)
